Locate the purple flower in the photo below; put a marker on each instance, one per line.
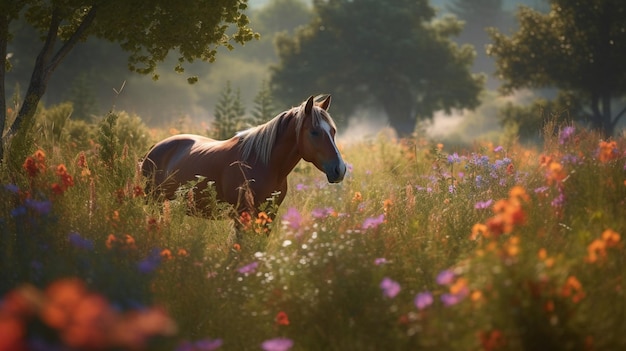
(451, 189)
(12, 188)
(292, 218)
(150, 263)
(566, 134)
(423, 300)
(451, 299)
(18, 211)
(321, 212)
(80, 242)
(445, 277)
(541, 189)
(249, 268)
(380, 260)
(479, 181)
(200, 345)
(41, 207)
(454, 158)
(390, 287)
(498, 149)
(277, 344)
(373, 222)
(481, 205)
(300, 187)
(558, 201)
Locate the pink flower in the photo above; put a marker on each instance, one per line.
(373, 222)
(423, 300)
(277, 344)
(390, 287)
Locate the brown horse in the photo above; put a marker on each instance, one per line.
(247, 169)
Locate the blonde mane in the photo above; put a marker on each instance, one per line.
(262, 138)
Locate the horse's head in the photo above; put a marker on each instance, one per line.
(316, 141)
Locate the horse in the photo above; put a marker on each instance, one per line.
(252, 166)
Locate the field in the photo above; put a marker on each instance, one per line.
(423, 246)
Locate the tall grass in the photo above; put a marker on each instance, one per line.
(493, 247)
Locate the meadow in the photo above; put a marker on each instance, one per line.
(423, 246)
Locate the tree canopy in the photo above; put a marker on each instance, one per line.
(578, 48)
(389, 54)
(147, 31)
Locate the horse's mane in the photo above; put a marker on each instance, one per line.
(261, 138)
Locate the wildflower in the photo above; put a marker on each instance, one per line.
(607, 151)
(357, 197)
(245, 219)
(445, 277)
(182, 253)
(79, 242)
(373, 222)
(236, 247)
(150, 263)
(423, 300)
(41, 207)
(483, 204)
(201, 345)
(479, 230)
(380, 260)
(566, 134)
(454, 158)
(390, 287)
(166, 254)
(387, 203)
(249, 268)
(322, 212)
(610, 237)
(573, 288)
(81, 161)
(12, 188)
(293, 218)
(498, 148)
(277, 344)
(300, 187)
(449, 299)
(282, 318)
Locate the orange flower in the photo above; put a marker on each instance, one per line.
(479, 230)
(597, 249)
(237, 247)
(573, 288)
(111, 240)
(357, 197)
(63, 296)
(30, 165)
(182, 252)
(611, 237)
(166, 254)
(608, 151)
(282, 318)
(245, 219)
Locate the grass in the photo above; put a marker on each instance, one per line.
(493, 247)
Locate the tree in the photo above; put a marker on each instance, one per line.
(229, 114)
(577, 48)
(369, 53)
(264, 108)
(148, 31)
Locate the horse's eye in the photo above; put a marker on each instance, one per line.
(315, 132)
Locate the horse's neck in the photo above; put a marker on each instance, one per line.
(285, 155)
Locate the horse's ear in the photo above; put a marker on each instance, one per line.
(308, 108)
(325, 104)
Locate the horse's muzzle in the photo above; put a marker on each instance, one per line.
(335, 171)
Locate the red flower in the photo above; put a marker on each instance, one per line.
(282, 318)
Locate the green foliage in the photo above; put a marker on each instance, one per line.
(413, 68)
(229, 114)
(51, 122)
(83, 98)
(588, 35)
(530, 120)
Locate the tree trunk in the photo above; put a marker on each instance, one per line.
(400, 114)
(45, 64)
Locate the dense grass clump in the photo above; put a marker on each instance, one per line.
(493, 247)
